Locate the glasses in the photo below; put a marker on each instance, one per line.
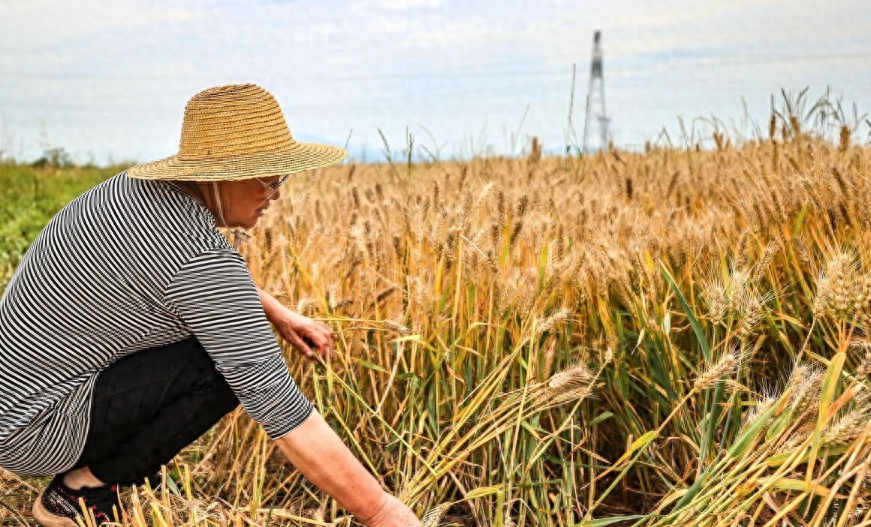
(273, 187)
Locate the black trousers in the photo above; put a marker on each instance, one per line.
(150, 405)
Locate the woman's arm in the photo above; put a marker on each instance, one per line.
(317, 452)
(315, 449)
(308, 336)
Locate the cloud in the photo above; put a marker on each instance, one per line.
(121, 71)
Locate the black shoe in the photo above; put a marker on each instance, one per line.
(58, 505)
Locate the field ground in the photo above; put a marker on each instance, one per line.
(678, 336)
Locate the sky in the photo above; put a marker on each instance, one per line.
(108, 80)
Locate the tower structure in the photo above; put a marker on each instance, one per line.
(596, 95)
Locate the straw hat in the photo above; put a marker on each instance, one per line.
(236, 132)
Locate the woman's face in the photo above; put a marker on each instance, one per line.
(244, 202)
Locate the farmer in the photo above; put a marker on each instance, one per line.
(132, 326)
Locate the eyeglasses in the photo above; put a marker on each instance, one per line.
(273, 187)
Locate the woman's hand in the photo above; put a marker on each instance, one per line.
(322, 457)
(310, 337)
(393, 513)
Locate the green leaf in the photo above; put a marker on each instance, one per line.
(173, 488)
(779, 425)
(535, 431)
(694, 322)
(743, 442)
(370, 365)
(600, 418)
(692, 491)
(830, 385)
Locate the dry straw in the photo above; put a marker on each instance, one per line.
(236, 132)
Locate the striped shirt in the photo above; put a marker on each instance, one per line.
(129, 265)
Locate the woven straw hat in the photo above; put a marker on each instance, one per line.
(236, 132)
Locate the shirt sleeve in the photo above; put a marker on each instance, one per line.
(215, 298)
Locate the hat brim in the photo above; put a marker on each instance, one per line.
(299, 157)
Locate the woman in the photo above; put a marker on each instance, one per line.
(131, 325)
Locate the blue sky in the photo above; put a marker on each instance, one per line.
(109, 80)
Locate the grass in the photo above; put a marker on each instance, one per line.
(29, 197)
(678, 336)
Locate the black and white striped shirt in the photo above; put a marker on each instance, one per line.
(129, 265)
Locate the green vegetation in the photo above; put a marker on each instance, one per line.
(29, 197)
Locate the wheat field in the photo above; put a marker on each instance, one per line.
(671, 337)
